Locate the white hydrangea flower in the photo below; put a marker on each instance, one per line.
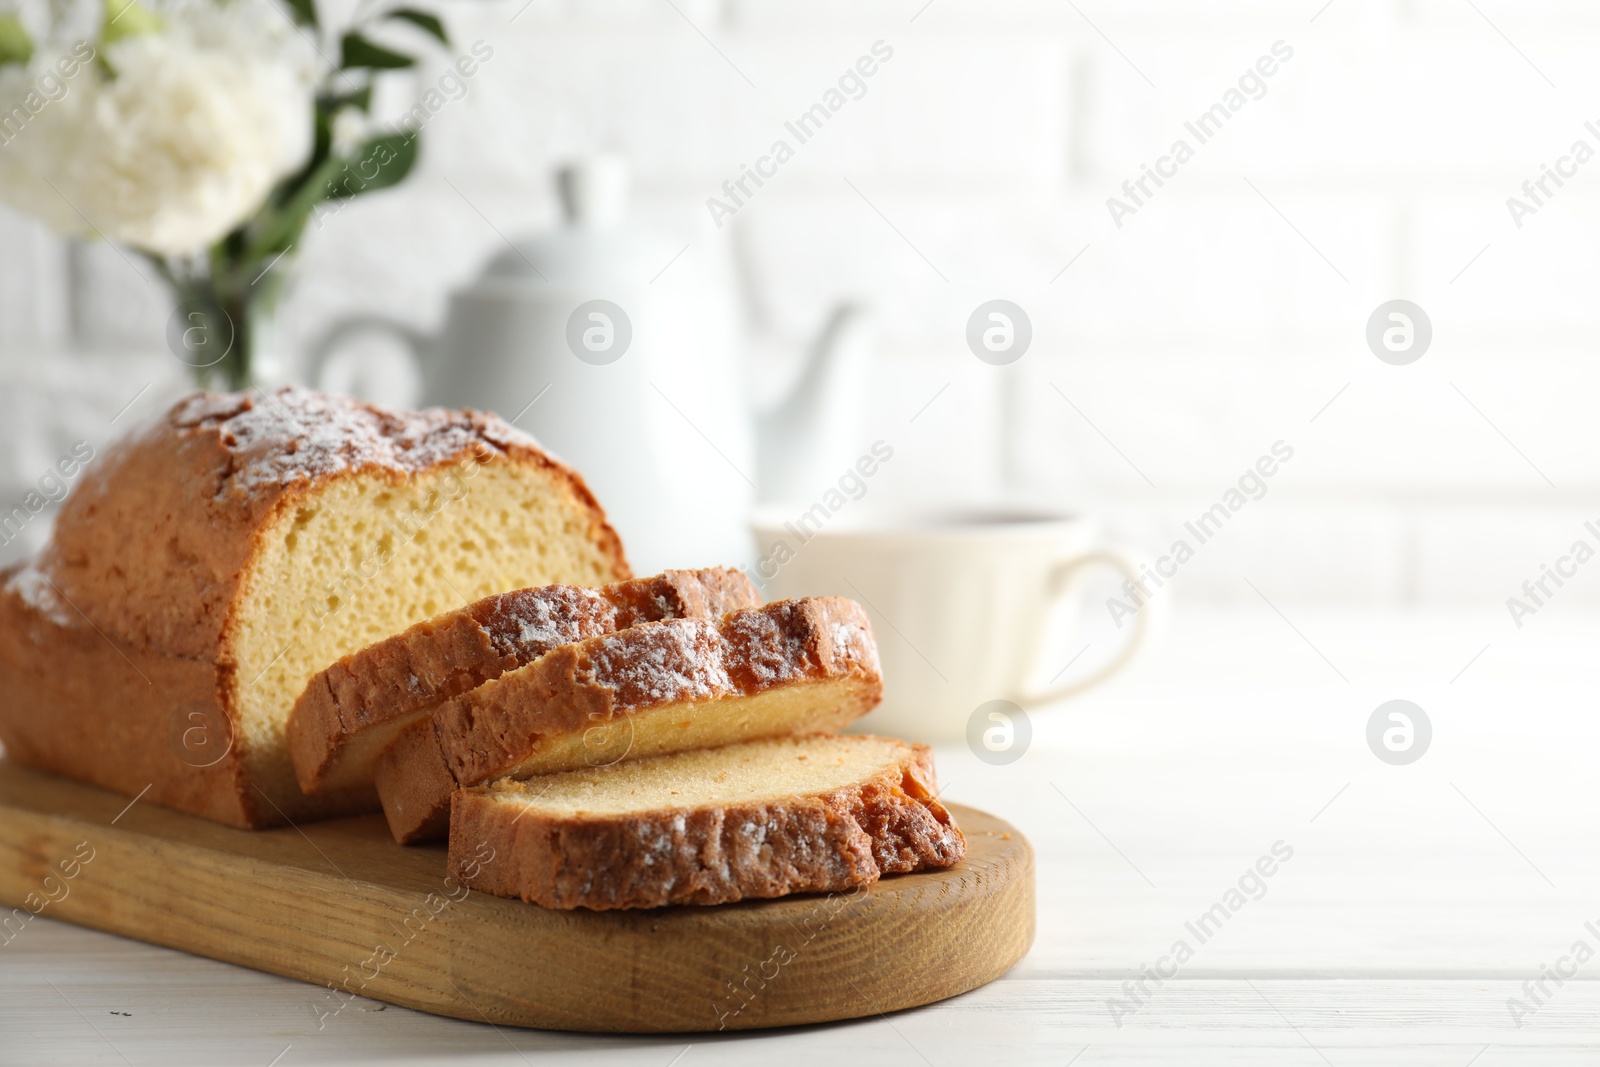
(179, 145)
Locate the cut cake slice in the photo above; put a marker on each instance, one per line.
(793, 667)
(758, 819)
(351, 711)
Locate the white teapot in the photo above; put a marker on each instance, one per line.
(628, 365)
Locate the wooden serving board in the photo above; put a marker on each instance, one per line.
(340, 905)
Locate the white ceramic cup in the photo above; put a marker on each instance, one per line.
(960, 603)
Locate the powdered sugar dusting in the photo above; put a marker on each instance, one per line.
(296, 435)
(530, 622)
(659, 841)
(662, 662)
(556, 615)
(851, 640)
(744, 652)
(754, 834)
(35, 589)
(773, 652)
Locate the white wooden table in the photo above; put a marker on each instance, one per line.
(1418, 899)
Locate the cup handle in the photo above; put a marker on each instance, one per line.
(1063, 579)
(326, 370)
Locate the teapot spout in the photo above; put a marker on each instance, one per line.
(809, 437)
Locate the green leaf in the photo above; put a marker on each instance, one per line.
(15, 44)
(361, 99)
(421, 19)
(357, 51)
(127, 18)
(304, 12)
(380, 163)
(280, 228)
(322, 133)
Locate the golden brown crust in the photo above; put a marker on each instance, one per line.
(487, 732)
(826, 842)
(587, 685)
(127, 719)
(152, 552)
(155, 541)
(350, 711)
(414, 784)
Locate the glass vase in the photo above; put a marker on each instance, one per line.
(224, 325)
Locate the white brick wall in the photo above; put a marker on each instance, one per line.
(33, 293)
(1192, 337)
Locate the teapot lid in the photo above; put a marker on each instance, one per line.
(593, 191)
